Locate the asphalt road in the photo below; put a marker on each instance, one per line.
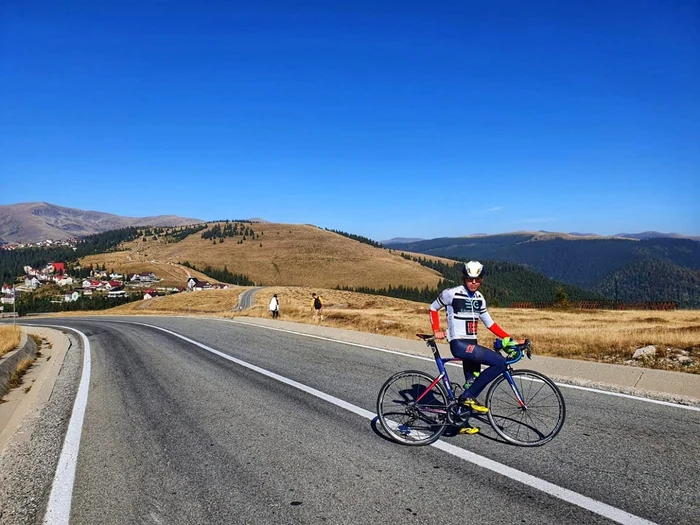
(176, 434)
(246, 298)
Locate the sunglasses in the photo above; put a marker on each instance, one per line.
(473, 279)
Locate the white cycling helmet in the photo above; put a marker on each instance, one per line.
(473, 269)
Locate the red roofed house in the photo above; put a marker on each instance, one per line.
(113, 285)
(57, 267)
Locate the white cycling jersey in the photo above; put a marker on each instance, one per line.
(464, 309)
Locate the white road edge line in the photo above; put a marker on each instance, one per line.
(58, 508)
(597, 507)
(395, 352)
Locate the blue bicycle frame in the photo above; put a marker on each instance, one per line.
(444, 377)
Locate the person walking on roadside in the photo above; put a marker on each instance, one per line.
(465, 307)
(275, 307)
(317, 307)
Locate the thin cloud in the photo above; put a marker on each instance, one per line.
(495, 208)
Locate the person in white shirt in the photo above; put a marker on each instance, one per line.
(275, 307)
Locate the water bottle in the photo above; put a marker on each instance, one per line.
(470, 381)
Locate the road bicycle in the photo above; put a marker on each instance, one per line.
(525, 407)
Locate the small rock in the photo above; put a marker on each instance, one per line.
(644, 352)
(684, 359)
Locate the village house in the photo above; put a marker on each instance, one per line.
(31, 281)
(202, 285)
(97, 285)
(7, 289)
(112, 285)
(93, 284)
(70, 297)
(63, 280)
(56, 267)
(116, 293)
(144, 277)
(149, 294)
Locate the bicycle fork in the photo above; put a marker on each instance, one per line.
(518, 397)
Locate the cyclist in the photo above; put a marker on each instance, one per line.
(465, 306)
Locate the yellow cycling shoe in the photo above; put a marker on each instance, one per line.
(468, 430)
(471, 403)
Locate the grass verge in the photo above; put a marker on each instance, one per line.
(18, 373)
(9, 338)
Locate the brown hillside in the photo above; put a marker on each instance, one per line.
(281, 254)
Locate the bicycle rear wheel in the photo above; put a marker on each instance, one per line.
(534, 423)
(410, 411)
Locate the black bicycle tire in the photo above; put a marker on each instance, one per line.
(387, 427)
(558, 395)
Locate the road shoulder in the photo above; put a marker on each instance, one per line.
(27, 400)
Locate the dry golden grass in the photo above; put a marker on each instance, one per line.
(9, 338)
(584, 334)
(602, 335)
(289, 254)
(608, 336)
(204, 302)
(15, 378)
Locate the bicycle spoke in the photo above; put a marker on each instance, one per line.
(541, 418)
(404, 418)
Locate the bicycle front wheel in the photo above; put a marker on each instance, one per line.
(534, 422)
(410, 410)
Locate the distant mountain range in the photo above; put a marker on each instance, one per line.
(38, 221)
(401, 240)
(548, 234)
(664, 268)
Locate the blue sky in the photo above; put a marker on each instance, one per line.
(384, 119)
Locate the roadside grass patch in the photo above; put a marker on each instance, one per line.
(21, 369)
(10, 337)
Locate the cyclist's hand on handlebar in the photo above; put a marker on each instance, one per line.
(439, 335)
(508, 342)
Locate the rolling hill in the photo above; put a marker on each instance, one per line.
(37, 221)
(275, 254)
(304, 255)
